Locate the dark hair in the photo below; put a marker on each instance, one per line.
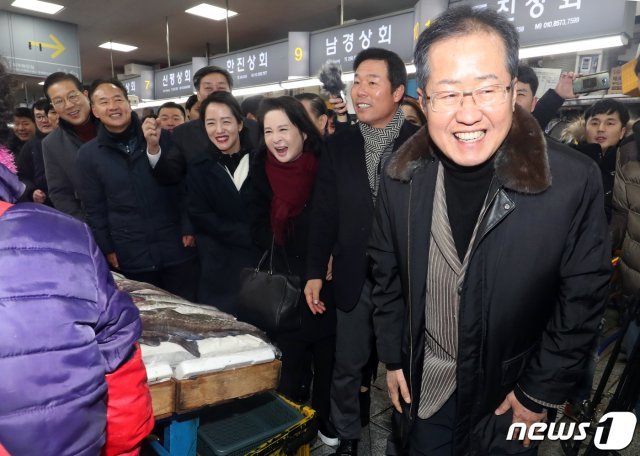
(318, 105)
(99, 82)
(396, 71)
(24, 112)
(298, 116)
(461, 21)
(41, 105)
(250, 105)
(526, 75)
(410, 101)
(171, 104)
(224, 98)
(60, 76)
(202, 72)
(191, 101)
(608, 106)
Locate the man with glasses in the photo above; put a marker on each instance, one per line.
(76, 127)
(30, 161)
(490, 252)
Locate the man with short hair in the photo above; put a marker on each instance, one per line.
(136, 221)
(190, 140)
(170, 115)
(30, 162)
(76, 127)
(24, 128)
(341, 212)
(546, 107)
(489, 249)
(605, 126)
(250, 106)
(192, 106)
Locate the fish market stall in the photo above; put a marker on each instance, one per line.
(197, 356)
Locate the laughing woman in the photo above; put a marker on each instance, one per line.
(217, 202)
(283, 175)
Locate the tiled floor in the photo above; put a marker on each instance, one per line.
(374, 436)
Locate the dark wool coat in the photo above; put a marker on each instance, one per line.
(534, 290)
(129, 212)
(342, 210)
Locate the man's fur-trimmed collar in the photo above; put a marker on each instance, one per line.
(521, 163)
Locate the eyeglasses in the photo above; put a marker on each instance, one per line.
(483, 97)
(41, 117)
(73, 98)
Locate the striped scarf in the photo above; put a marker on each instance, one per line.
(377, 141)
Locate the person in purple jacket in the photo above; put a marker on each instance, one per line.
(72, 382)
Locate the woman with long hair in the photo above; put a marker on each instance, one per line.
(283, 175)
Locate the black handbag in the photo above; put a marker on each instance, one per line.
(270, 300)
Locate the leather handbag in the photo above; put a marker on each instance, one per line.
(268, 299)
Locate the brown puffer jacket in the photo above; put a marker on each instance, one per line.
(625, 224)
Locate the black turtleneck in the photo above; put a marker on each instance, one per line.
(466, 188)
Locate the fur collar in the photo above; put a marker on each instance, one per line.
(521, 163)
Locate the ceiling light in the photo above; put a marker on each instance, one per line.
(574, 46)
(118, 46)
(38, 6)
(210, 12)
(301, 83)
(256, 90)
(41, 83)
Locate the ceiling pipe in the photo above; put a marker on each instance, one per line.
(341, 12)
(113, 73)
(167, 33)
(227, 21)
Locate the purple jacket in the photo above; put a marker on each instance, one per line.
(63, 326)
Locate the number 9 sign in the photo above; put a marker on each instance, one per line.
(298, 54)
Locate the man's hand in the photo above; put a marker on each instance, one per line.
(340, 107)
(39, 196)
(312, 294)
(564, 88)
(397, 386)
(188, 240)
(151, 130)
(113, 260)
(521, 414)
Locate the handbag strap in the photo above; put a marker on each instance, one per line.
(273, 247)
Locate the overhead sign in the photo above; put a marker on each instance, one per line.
(342, 44)
(256, 66)
(38, 47)
(172, 82)
(556, 21)
(298, 54)
(424, 12)
(140, 86)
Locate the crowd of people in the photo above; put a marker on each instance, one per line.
(446, 236)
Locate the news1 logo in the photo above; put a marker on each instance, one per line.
(614, 431)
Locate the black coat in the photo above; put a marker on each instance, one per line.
(128, 211)
(30, 165)
(534, 290)
(342, 211)
(190, 143)
(295, 251)
(220, 217)
(607, 163)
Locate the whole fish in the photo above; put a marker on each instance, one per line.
(154, 338)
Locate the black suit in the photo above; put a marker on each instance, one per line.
(341, 220)
(342, 212)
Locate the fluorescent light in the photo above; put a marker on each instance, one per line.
(257, 90)
(41, 83)
(301, 83)
(154, 103)
(210, 12)
(38, 6)
(574, 46)
(118, 46)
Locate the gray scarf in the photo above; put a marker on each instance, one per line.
(377, 142)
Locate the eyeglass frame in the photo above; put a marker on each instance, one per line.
(73, 98)
(471, 93)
